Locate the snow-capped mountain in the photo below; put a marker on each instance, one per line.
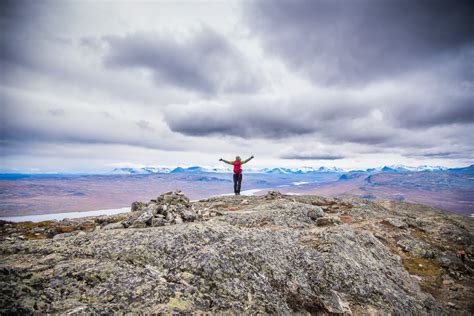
(277, 171)
(329, 169)
(189, 169)
(142, 170)
(427, 168)
(303, 170)
(155, 170)
(403, 168)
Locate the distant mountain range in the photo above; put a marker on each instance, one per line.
(281, 170)
(195, 169)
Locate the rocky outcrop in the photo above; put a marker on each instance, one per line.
(270, 254)
(168, 209)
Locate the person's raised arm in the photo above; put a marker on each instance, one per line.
(245, 161)
(226, 161)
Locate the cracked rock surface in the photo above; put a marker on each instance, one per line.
(269, 254)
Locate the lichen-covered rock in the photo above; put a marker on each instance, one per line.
(264, 256)
(278, 214)
(113, 226)
(145, 219)
(397, 223)
(328, 221)
(417, 248)
(137, 206)
(158, 221)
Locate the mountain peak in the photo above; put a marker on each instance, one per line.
(245, 261)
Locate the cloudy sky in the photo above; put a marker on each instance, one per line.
(91, 85)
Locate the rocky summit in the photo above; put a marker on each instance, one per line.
(267, 254)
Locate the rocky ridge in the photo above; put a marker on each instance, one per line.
(268, 254)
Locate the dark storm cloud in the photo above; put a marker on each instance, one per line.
(443, 112)
(251, 117)
(440, 154)
(312, 157)
(23, 37)
(443, 155)
(14, 47)
(369, 136)
(254, 124)
(355, 42)
(21, 124)
(205, 62)
(334, 121)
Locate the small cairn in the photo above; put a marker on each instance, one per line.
(273, 195)
(168, 209)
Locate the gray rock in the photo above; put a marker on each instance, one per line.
(397, 223)
(188, 215)
(143, 220)
(273, 194)
(155, 209)
(328, 221)
(145, 217)
(113, 226)
(334, 304)
(220, 204)
(62, 236)
(178, 219)
(138, 224)
(131, 219)
(137, 206)
(446, 261)
(173, 198)
(315, 212)
(170, 216)
(417, 248)
(158, 221)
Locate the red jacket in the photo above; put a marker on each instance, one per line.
(237, 166)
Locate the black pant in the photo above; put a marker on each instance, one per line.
(237, 182)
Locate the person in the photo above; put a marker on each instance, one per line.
(237, 163)
(462, 254)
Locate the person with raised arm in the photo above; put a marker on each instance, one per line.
(237, 163)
